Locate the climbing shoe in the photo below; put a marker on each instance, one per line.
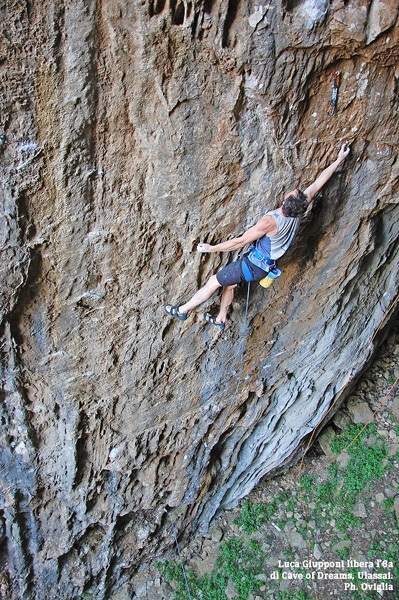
(212, 320)
(173, 311)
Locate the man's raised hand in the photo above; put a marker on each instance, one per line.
(345, 149)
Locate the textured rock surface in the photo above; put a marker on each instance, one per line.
(133, 130)
(297, 511)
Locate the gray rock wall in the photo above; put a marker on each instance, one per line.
(133, 130)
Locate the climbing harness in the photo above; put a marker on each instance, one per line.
(257, 259)
(333, 103)
(264, 263)
(190, 495)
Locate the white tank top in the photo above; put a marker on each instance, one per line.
(274, 246)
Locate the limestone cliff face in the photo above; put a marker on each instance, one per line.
(130, 132)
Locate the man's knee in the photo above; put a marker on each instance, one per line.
(213, 282)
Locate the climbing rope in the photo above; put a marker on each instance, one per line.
(190, 495)
(179, 553)
(239, 381)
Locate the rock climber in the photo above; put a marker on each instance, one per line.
(273, 235)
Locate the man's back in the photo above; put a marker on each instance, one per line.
(274, 246)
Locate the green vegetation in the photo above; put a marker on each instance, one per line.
(242, 562)
(368, 462)
(253, 516)
(238, 562)
(389, 553)
(210, 586)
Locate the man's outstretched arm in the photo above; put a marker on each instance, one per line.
(265, 225)
(325, 175)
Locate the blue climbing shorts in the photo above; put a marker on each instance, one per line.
(232, 274)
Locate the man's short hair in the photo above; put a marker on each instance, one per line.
(295, 204)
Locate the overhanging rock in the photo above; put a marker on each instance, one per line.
(137, 130)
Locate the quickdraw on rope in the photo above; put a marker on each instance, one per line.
(190, 495)
(333, 103)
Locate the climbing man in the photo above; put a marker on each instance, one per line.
(273, 235)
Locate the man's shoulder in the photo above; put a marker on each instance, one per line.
(268, 219)
(271, 214)
(268, 224)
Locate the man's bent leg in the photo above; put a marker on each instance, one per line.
(202, 295)
(227, 299)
